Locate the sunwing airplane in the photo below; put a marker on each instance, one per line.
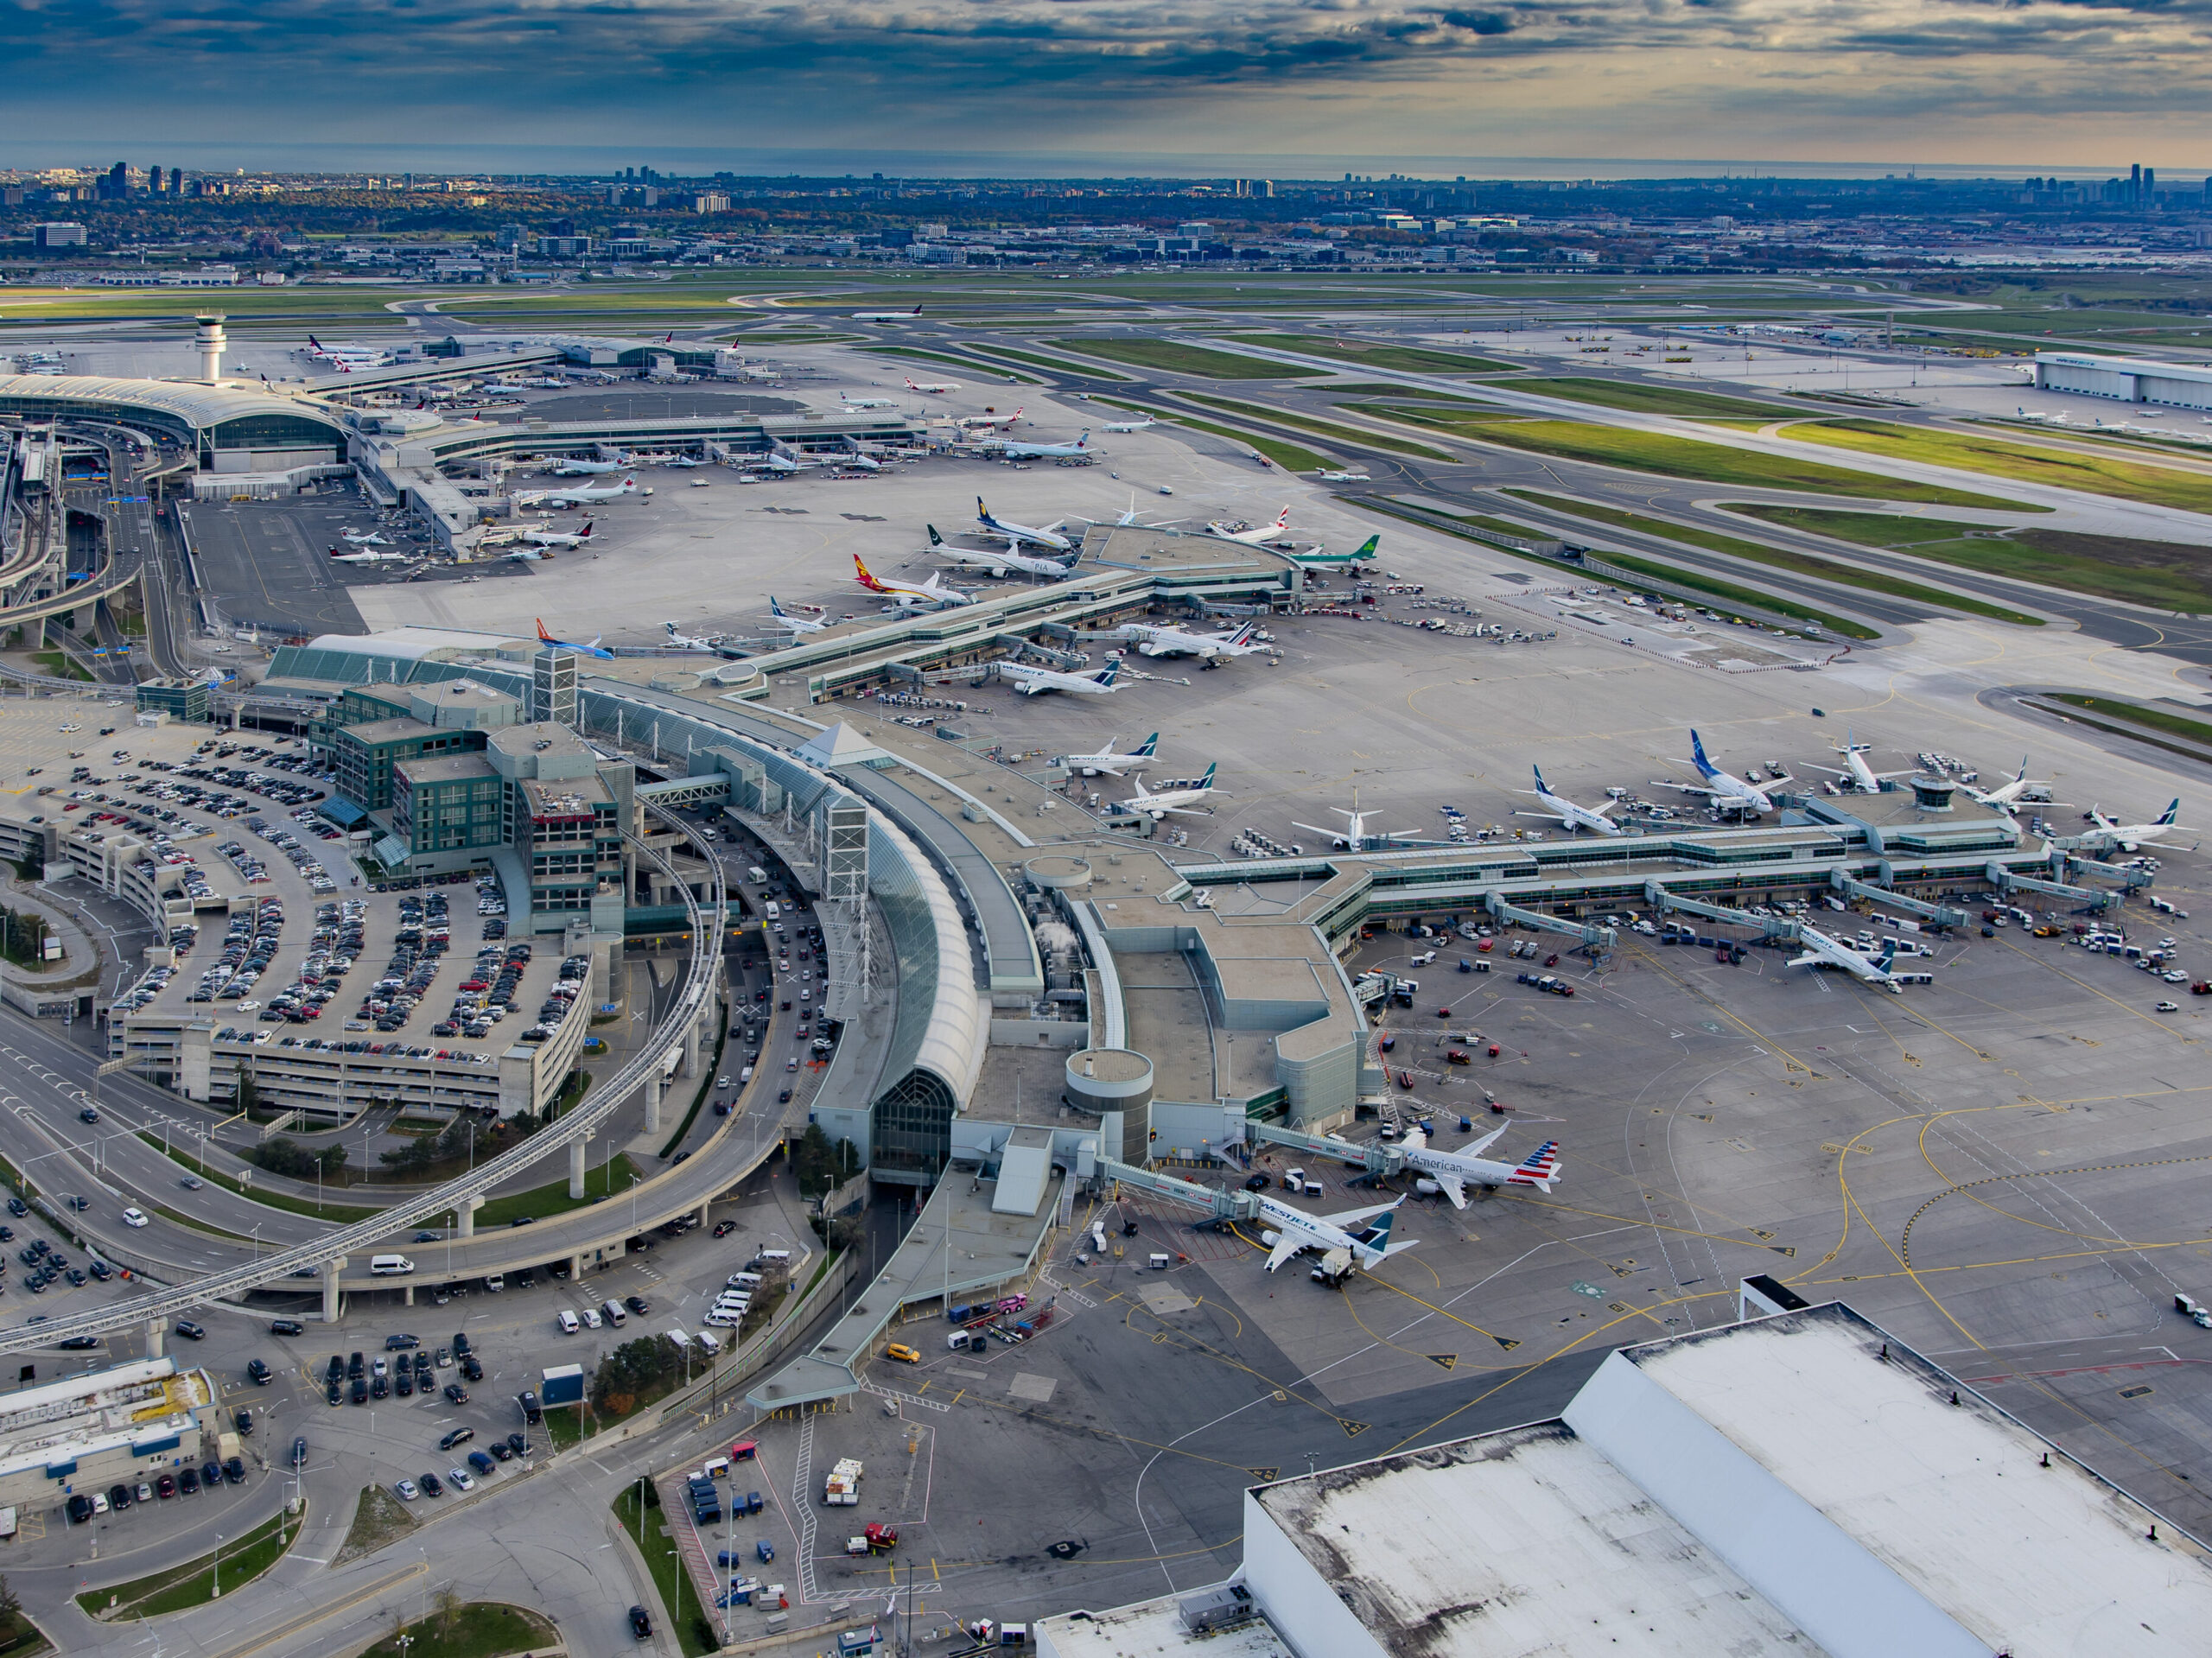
(934, 388)
(538, 538)
(1178, 795)
(591, 649)
(886, 317)
(1454, 1171)
(2006, 795)
(1865, 779)
(997, 563)
(1355, 836)
(1155, 641)
(1079, 449)
(1822, 951)
(1294, 1230)
(1034, 682)
(1015, 534)
(2129, 836)
(1145, 424)
(1111, 764)
(906, 593)
(797, 624)
(1570, 816)
(991, 423)
(1721, 788)
(1313, 558)
(583, 497)
(1255, 535)
(571, 469)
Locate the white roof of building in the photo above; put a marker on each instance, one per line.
(840, 745)
(417, 644)
(196, 404)
(2149, 366)
(1149, 1629)
(143, 1403)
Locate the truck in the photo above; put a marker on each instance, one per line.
(1333, 1267)
(2197, 1315)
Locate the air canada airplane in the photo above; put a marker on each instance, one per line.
(576, 468)
(1294, 1230)
(934, 388)
(1079, 450)
(585, 496)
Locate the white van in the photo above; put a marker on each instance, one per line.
(745, 1076)
(613, 1312)
(494, 1282)
(743, 1282)
(389, 1266)
(771, 909)
(569, 1322)
(709, 1343)
(681, 1338)
(772, 1258)
(757, 875)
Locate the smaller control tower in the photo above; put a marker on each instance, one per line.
(211, 342)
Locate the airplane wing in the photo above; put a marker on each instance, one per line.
(1288, 1243)
(1807, 960)
(1352, 1217)
(1453, 1187)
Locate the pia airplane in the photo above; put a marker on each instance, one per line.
(1155, 641)
(1822, 951)
(1034, 682)
(1145, 424)
(2006, 796)
(1253, 535)
(1570, 816)
(584, 496)
(1109, 763)
(1181, 796)
(997, 563)
(591, 649)
(799, 625)
(2129, 836)
(1079, 450)
(1294, 1230)
(886, 317)
(1355, 836)
(1453, 1172)
(934, 388)
(1721, 788)
(571, 469)
(1864, 778)
(1016, 534)
(906, 593)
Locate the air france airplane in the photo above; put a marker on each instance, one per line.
(1295, 1230)
(1570, 816)
(1156, 641)
(1453, 1172)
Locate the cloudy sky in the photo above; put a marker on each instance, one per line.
(1055, 84)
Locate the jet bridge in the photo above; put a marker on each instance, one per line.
(1590, 937)
(1937, 915)
(1378, 1158)
(1778, 927)
(2132, 880)
(1220, 1205)
(2005, 881)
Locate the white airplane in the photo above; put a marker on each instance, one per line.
(854, 405)
(1152, 640)
(799, 625)
(991, 423)
(2006, 795)
(683, 462)
(347, 358)
(1721, 788)
(364, 537)
(1822, 951)
(781, 457)
(1181, 796)
(371, 558)
(1453, 1172)
(854, 455)
(2129, 836)
(1106, 761)
(541, 537)
(1570, 816)
(1015, 534)
(1864, 778)
(1145, 424)
(1294, 1230)
(684, 643)
(1344, 477)
(906, 594)
(571, 468)
(934, 388)
(1035, 682)
(1079, 450)
(1263, 535)
(886, 316)
(580, 497)
(997, 563)
(1355, 837)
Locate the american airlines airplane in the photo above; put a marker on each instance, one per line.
(1453, 1172)
(1295, 1230)
(1109, 763)
(996, 563)
(1034, 682)
(1015, 534)
(1721, 788)
(1822, 951)
(904, 594)
(1181, 796)
(1570, 816)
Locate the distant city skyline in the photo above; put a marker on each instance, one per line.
(950, 87)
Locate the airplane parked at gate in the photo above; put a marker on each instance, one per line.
(799, 625)
(372, 558)
(856, 405)
(1295, 1230)
(1822, 951)
(1034, 682)
(1453, 1172)
(584, 496)
(904, 594)
(1106, 761)
(1152, 641)
(1862, 778)
(574, 468)
(1262, 534)
(1079, 450)
(1355, 836)
(2129, 836)
(1313, 558)
(364, 537)
(998, 563)
(1181, 796)
(2007, 796)
(684, 643)
(1015, 534)
(1570, 816)
(538, 538)
(991, 423)
(1721, 787)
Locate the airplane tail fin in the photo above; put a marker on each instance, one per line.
(1282, 518)
(1538, 770)
(1084, 439)
(1150, 746)
(1540, 1168)
(1206, 782)
(541, 633)
(1106, 675)
(585, 534)
(1377, 1236)
(2171, 814)
(1889, 950)
(1697, 754)
(936, 540)
(1366, 548)
(774, 609)
(866, 580)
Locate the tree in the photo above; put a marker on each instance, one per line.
(633, 1372)
(814, 1161)
(11, 1606)
(249, 1094)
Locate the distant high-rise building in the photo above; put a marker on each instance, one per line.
(2150, 197)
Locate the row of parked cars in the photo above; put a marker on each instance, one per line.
(84, 1506)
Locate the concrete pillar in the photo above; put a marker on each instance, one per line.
(408, 1290)
(576, 1165)
(653, 1103)
(155, 1331)
(700, 1214)
(691, 1066)
(575, 1269)
(330, 1290)
(466, 1218)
